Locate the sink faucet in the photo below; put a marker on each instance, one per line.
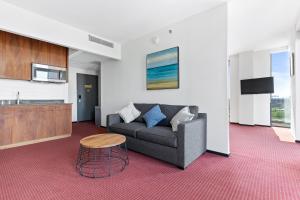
(18, 97)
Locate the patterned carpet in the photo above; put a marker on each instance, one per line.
(260, 167)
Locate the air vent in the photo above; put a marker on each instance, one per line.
(101, 41)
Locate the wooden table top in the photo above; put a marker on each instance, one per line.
(104, 140)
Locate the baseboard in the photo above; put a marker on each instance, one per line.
(236, 123)
(33, 141)
(263, 125)
(218, 153)
(250, 124)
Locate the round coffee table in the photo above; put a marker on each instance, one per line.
(102, 155)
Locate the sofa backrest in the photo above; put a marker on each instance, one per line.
(143, 108)
(169, 110)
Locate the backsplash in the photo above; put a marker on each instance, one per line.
(32, 90)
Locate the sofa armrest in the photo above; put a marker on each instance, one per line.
(191, 140)
(202, 116)
(112, 119)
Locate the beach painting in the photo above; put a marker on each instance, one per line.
(163, 69)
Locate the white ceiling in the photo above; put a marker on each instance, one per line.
(118, 20)
(85, 60)
(260, 24)
(253, 24)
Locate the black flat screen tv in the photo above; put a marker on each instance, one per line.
(257, 86)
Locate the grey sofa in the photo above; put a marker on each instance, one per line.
(179, 148)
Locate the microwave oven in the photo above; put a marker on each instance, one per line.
(47, 73)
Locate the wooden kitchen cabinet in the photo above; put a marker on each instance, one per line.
(26, 124)
(6, 125)
(57, 55)
(50, 54)
(39, 52)
(62, 119)
(46, 121)
(17, 59)
(2, 46)
(17, 53)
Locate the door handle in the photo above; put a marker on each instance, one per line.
(79, 98)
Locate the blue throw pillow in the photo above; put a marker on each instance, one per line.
(153, 116)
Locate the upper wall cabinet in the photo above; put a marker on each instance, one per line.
(58, 55)
(17, 53)
(17, 57)
(40, 52)
(2, 47)
(50, 54)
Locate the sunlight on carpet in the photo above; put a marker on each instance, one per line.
(284, 134)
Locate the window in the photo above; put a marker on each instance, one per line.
(280, 100)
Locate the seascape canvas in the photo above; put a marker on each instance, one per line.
(163, 69)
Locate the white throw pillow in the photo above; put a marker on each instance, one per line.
(129, 113)
(183, 115)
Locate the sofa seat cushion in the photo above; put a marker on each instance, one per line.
(127, 129)
(158, 135)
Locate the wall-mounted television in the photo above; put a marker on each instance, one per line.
(257, 86)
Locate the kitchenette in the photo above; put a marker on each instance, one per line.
(34, 89)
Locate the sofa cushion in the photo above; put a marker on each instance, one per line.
(128, 129)
(183, 115)
(129, 113)
(153, 116)
(159, 135)
(143, 108)
(171, 110)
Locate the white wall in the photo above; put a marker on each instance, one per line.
(26, 23)
(296, 85)
(234, 88)
(262, 102)
(80, 68)
(32, 90)
(249, 109)
(246, 112)
(292, 47)
(202, 40)
(297, 25)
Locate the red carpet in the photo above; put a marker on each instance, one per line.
(260, 167)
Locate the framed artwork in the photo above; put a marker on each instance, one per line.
(163, 69)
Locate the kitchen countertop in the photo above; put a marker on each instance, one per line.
(5, 103)
(32, 104)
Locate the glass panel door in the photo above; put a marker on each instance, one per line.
(280, 99)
